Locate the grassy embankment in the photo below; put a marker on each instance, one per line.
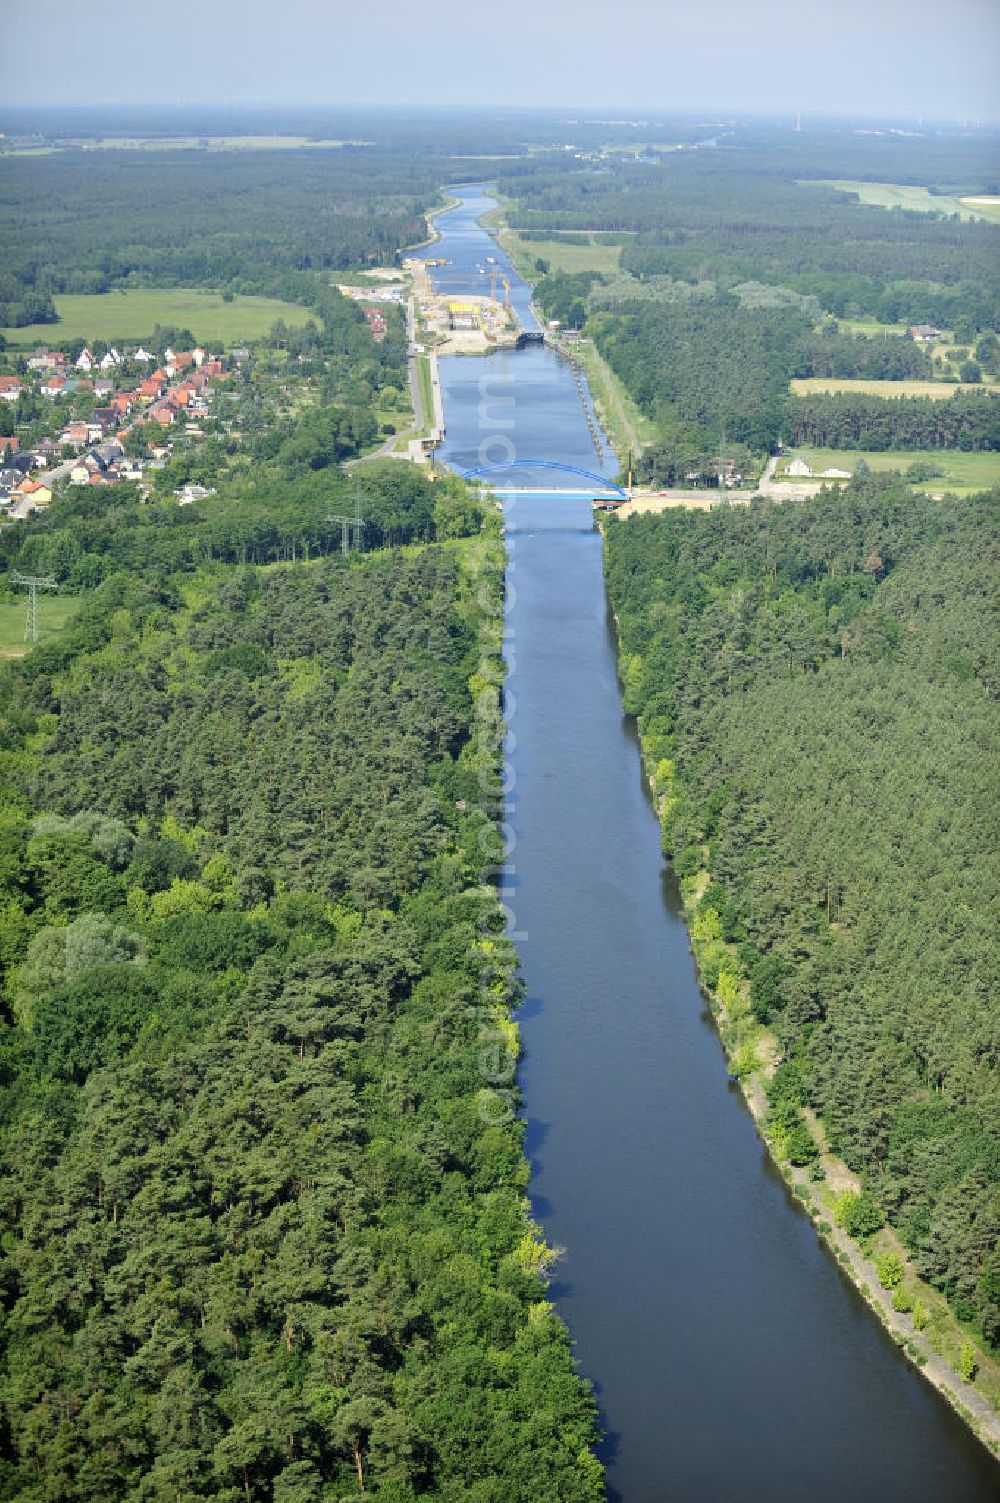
(625, 423)
(133, 315)
(961, 473)
(426, 392)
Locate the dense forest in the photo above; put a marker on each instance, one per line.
(739, 213)
(264, 1217)
(717, 366)
(738, 265)
(967, 420)
(251, 222)
(816, 689)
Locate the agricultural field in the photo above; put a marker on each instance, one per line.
(986, 204)
(561, 255)
(133, 315)
(53, 613)
(938, 390)
(959, 472)
(905, 196)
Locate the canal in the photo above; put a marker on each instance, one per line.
(731, 1359)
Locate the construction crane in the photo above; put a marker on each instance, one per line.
(497, 275)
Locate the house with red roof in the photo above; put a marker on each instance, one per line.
(31, 494)
(47, 360)
(151, 388)
(10, 388)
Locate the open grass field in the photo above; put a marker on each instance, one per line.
(132, 315)
(596, 256)
(871, 328)
(938, 390)
(53, 613)
(962, 474)
(905, 196)
(987, 204)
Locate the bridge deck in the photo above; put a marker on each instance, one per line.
(595, 493)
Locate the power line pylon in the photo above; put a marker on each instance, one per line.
(351, 528)
(32, 583)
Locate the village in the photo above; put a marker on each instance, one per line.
(105, 415)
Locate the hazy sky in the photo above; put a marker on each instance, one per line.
(916, 57)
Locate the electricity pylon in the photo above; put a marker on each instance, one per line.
(351, 528)
(33, 583)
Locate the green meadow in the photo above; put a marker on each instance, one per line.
(961, 473)
(53, 613)
(596, 255)
(133, 314)
(905, 196)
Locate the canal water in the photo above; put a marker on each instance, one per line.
(731, 1359)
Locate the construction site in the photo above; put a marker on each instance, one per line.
(468, 325)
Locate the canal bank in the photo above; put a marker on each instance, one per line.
(730, 1357)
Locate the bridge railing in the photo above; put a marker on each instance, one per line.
(599, 482)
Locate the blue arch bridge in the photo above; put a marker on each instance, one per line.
(599, 485)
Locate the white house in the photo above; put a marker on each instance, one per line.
(110, 360)
(799, 468)
(190, 493)
(85, 360)
(199, 355)
(143, 355)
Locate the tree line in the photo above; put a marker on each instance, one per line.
(265, 1234)
(251, 221)
(815, 686)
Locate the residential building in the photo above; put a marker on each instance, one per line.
(31, 493)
